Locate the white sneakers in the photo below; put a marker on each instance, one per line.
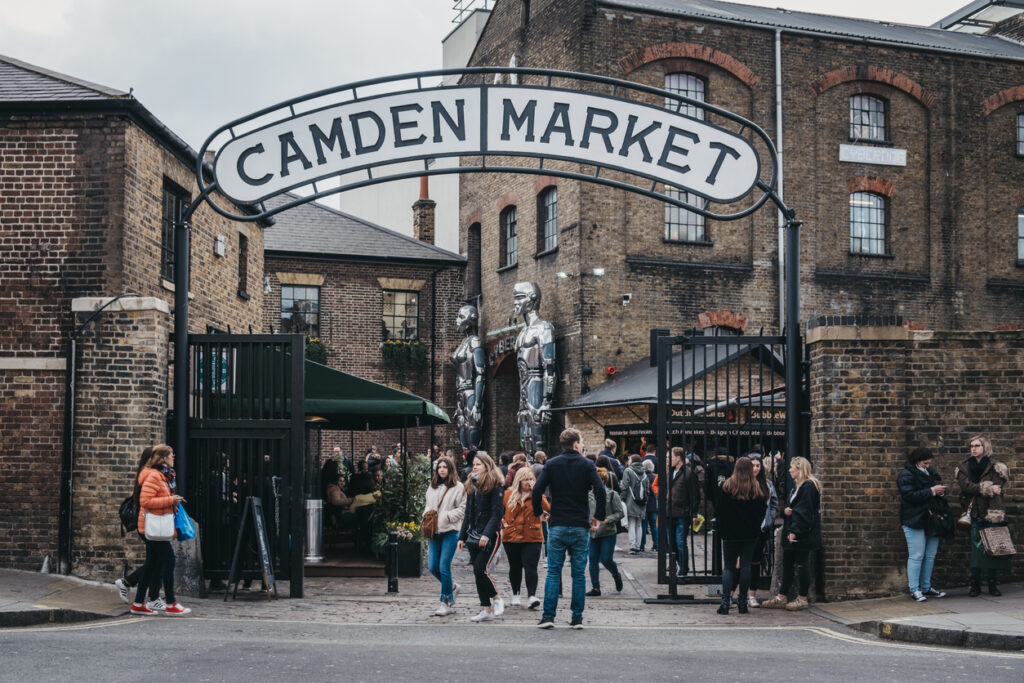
(533, 602)
(752, 601)
(157, 605)
(515, 600)
(483, 616)
(122, 590)
(444, 610)
(498, 606)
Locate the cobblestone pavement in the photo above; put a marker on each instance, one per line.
(366, 601)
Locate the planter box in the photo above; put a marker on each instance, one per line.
(410, 559)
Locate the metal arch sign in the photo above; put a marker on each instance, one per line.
(280, 149)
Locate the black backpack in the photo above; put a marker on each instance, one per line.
(129, 515)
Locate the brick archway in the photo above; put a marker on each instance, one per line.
(733, 321)
(1002, 98)
(870, 184)
(702, 53)
(865, 72)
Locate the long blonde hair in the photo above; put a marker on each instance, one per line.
(515, 496)
(803, 466)
(489, 480)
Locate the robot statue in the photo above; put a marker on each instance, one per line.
(535, 356)
(470, 362)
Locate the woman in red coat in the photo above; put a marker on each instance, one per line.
(153, 494)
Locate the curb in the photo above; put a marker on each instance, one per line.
(35, 617)
(925, 635)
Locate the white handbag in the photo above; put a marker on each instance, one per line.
(159, 527)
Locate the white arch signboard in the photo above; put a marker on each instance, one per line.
(306, 142)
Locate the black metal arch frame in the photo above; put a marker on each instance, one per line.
(767, 188)
(287, 109)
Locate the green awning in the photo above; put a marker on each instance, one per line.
(354, 403)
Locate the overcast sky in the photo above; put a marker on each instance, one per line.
(197, 64)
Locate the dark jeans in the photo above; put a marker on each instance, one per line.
(755, 561)
(731, 550)
(678, 528)
(575, 541)
(480, 558)
(602, 551)
(795, 556)
(159, 562)
(650, 521)
(523, 557)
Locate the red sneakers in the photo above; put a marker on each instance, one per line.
(142, 609)
(177, 610)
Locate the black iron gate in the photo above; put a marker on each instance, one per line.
(719, 397)
(245, 438)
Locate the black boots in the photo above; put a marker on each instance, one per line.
(724, 609)
(993, 589)
(618, 581)
(975, 588)
(741, 604)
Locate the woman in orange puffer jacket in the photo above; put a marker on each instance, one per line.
(523, 535)
(153, 494)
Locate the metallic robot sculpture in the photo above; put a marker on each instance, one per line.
(535, 357)
(470, 362)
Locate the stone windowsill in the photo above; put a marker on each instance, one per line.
(169, 286)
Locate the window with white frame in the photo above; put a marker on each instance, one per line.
(547, 219)
(509, 237)
(867, 118)
(1020, 235)
(683, 225)
(867, 223)
(1020, 135)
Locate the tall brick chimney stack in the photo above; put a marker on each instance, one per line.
(423, 215)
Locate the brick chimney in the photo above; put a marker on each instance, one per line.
(423, 215)
(1012, 28)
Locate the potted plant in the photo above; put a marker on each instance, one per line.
(316, 350)
(401, 508)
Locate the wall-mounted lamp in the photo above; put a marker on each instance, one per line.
(220, 245)
(266, 283)
(598, 271)
(562, 275)
(626, 298)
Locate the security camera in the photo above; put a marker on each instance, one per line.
(626, 298)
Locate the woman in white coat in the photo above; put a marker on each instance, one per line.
(447, 497)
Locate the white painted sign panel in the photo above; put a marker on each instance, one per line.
(881, 156)
(502, 120)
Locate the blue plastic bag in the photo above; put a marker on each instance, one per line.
(183, 523)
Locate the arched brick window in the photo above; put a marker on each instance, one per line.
(867, 118)
(509, 237)
(868, 219)
(683, 225)
(547, 219)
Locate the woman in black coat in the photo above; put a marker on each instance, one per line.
(739, 512)
(801, 534)
(919, 485)
(481, 530)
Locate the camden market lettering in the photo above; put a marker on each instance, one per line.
(609, 132)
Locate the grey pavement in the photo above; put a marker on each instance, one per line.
(28, 598)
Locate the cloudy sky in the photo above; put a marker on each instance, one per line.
(197, 64)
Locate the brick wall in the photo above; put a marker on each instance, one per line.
(877, 393)
(950, 260)
(351, 305)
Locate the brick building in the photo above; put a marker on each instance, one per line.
(358, 286)
(90, 185)
(901, 153)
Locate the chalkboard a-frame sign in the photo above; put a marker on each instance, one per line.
(254, 511)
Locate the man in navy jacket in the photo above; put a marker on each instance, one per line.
(567, 479)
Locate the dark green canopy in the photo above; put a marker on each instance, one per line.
(354, 403)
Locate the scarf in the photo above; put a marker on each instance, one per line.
(168, 473)
(975, 468)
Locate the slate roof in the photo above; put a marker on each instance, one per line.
(21, 82)
(905, 35)
(638, 384)
(317, 230)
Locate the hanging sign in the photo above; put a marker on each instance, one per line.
(605, 131)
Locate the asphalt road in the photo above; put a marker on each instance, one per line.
(215, 649)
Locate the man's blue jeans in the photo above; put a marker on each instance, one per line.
(575, 540)
(440, 551)
(678, 526)
(650, 521)
(921, 550)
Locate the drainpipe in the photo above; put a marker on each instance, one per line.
(433, 346)
(67, 460)
(778, 146)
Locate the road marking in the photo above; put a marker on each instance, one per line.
(817, 630)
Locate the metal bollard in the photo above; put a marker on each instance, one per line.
(391, 562)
